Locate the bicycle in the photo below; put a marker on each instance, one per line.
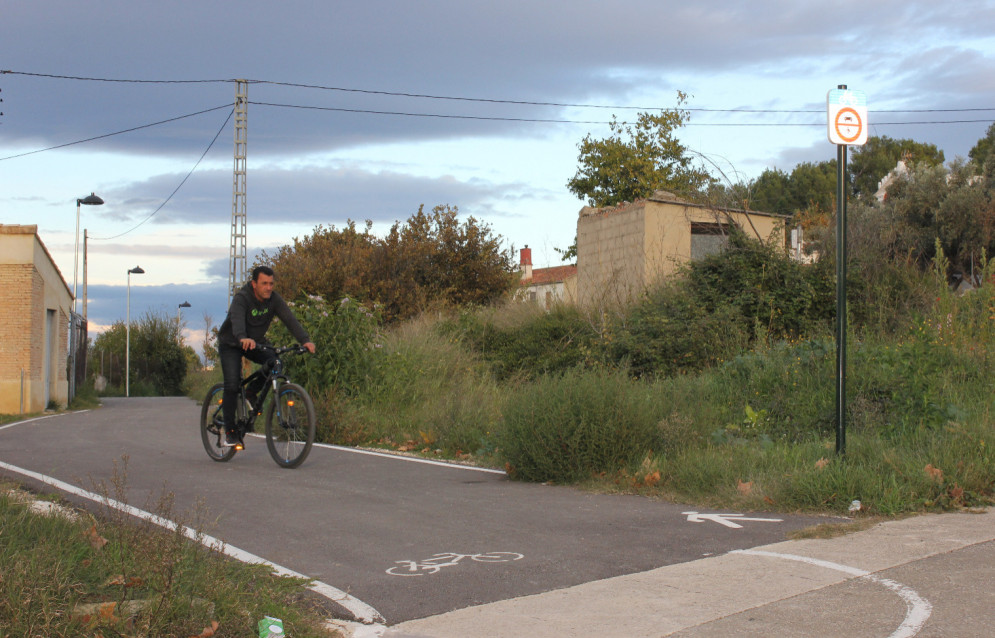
(290, 420)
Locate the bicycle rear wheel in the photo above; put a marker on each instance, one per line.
(290, 424)
(212, 425)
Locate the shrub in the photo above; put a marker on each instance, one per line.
(533, 343)
(767, 287)
(573, 426)
(346, 338)
(670, 331)
(431, 394)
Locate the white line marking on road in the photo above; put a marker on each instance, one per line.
(365, 613)
(412, 459)
(918, 609)
(729, 520)
(39, 418)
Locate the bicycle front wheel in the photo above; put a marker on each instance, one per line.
(290, 425)
(212, 425)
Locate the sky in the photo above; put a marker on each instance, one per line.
(368, 110)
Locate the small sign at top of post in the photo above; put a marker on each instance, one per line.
(847, 111)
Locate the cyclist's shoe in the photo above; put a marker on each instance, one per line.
(232, 439)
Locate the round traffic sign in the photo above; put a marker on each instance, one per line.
(848, 124)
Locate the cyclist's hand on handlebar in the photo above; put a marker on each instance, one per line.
(247, 344)
(309, 347)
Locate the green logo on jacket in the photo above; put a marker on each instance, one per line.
(258, 313)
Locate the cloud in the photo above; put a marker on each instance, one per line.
(309, 196)
(109, 304)
(576, 52)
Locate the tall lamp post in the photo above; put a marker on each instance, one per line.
(185, 304)
(89, 200)
(127, 347)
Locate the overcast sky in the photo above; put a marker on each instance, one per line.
(369, 129)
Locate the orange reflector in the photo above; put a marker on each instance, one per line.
(290, 403)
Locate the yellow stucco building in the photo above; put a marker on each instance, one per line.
(623, 250)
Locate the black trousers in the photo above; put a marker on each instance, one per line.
(231, 368)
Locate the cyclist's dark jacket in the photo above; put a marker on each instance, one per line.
(249, 318)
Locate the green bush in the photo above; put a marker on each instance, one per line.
(770, 290)
(573, 426)
(532, 343)
(671, 331)
(157, 358)
(347, 342)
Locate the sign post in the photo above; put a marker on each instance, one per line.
(847, 121)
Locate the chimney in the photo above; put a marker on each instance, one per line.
(526, 262)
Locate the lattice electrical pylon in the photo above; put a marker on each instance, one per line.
(236, 259)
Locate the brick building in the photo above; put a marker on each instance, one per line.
(623, 250)
(35, 306)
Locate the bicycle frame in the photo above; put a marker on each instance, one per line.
(272, 380)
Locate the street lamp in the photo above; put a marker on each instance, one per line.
(127, 348)
(185, 304)
(89, 200)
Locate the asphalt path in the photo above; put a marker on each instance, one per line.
(410, 539)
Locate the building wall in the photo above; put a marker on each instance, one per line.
(610, 245)
(549, 294)
(624, 250)
(33, 286)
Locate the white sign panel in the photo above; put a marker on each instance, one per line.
(847, 111)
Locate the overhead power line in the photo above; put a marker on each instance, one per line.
(117, 80)
(178, 187)
(128, 130)
(435, 115)
(428, 96)
(555, 121)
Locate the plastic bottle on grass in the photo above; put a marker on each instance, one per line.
(270, 627)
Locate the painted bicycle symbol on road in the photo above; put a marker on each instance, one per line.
(435, 563)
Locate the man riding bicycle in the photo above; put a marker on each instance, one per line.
(249, 316)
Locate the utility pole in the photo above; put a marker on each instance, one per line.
(236, 256)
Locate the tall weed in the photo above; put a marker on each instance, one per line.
(430, 393)
(569, 427)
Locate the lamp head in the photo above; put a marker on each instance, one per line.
(137, 270)
(90, 200)
(185, 304)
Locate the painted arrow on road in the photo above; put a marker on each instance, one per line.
(729, 520)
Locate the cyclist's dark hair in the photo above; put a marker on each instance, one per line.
(264, 270)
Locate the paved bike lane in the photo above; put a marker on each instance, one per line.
(345, 518)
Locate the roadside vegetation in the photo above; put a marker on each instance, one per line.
(71, 573)
(717, 387)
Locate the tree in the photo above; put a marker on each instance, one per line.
(634, 161)
(982, 151)
(772, 193)
(871, 162)
(158, 359)
(813, 186)
(432, 259)
(210, 345)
